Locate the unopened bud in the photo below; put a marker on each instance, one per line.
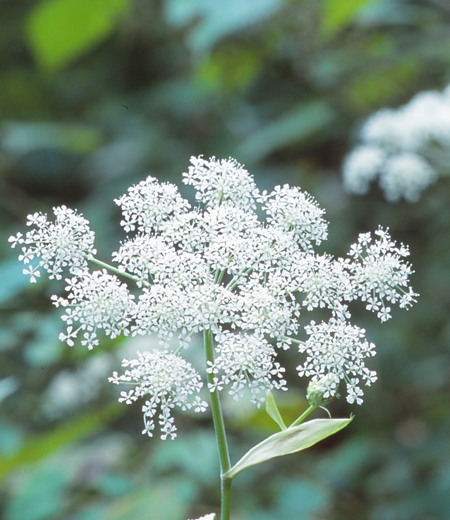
(323, 391)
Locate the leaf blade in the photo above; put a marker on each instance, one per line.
(288, 441)
(59, 31)
(273, 411)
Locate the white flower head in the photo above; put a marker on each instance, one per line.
(95, 301)
(165, 380)
(149, 205)
(246, 361)
(67, 242)
(383, 129)
(413, 143)
(296, 212)
(406, 175)
(361, 167)
(336, 351)
(220, 181)
(219, 269)
(379, 275)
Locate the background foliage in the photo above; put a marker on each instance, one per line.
(94, 96)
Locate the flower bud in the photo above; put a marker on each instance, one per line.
(322, 391)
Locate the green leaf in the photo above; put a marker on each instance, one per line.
(337, 14)
(303, 122)
(291, 440)
(217, 20)
(61, 30)
(366, 92)
(162, 500)
(41, 493)
(42, 446)
(21, 138)
(272, 410)
(13, 280)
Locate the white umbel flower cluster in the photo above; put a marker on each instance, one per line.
(168, 380)
(218, 269)
(406, 149)
(246, 360)
(66, 242)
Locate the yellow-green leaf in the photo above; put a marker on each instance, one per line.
(48, 443)
(59, 31)
(339, 13)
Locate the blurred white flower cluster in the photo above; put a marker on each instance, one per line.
(217, 268)
(406, 149)
(70, 390)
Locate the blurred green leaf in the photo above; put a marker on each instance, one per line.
(11, 437)
(302, 499)
(165, 500)
(302, 122)
(60, 31)
(8, 385)
(349, 460)
(372, 88)
(21, 138)
(218, 19)
(12, 279)
(183, 455)
(337, 13)
(48, 443)
(45, 347)
(288, 441)
(40, 495)
(22, 95)
(229, 69)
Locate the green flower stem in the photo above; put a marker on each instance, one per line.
(219, 428)
(114, 269)
(226, 498)
(303, 416)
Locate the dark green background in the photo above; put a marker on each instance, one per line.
(94, 96)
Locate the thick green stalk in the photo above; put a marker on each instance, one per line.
(219, 428)
(303, 416)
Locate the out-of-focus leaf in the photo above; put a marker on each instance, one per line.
(349, 460)
(59, 31)
(302, 499)
(45, 348)
(374, 87)
(8, 385)
(303, 122)
(22, 138)
(183, 456)
(11, 437)
(12, 279)
(162, 501)
(288, 441)
(337, 13)
(22, 94)
(228, 69)
(40, 495)
(272, 410)
(44, 445)
(218, 19)
(90, 512)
